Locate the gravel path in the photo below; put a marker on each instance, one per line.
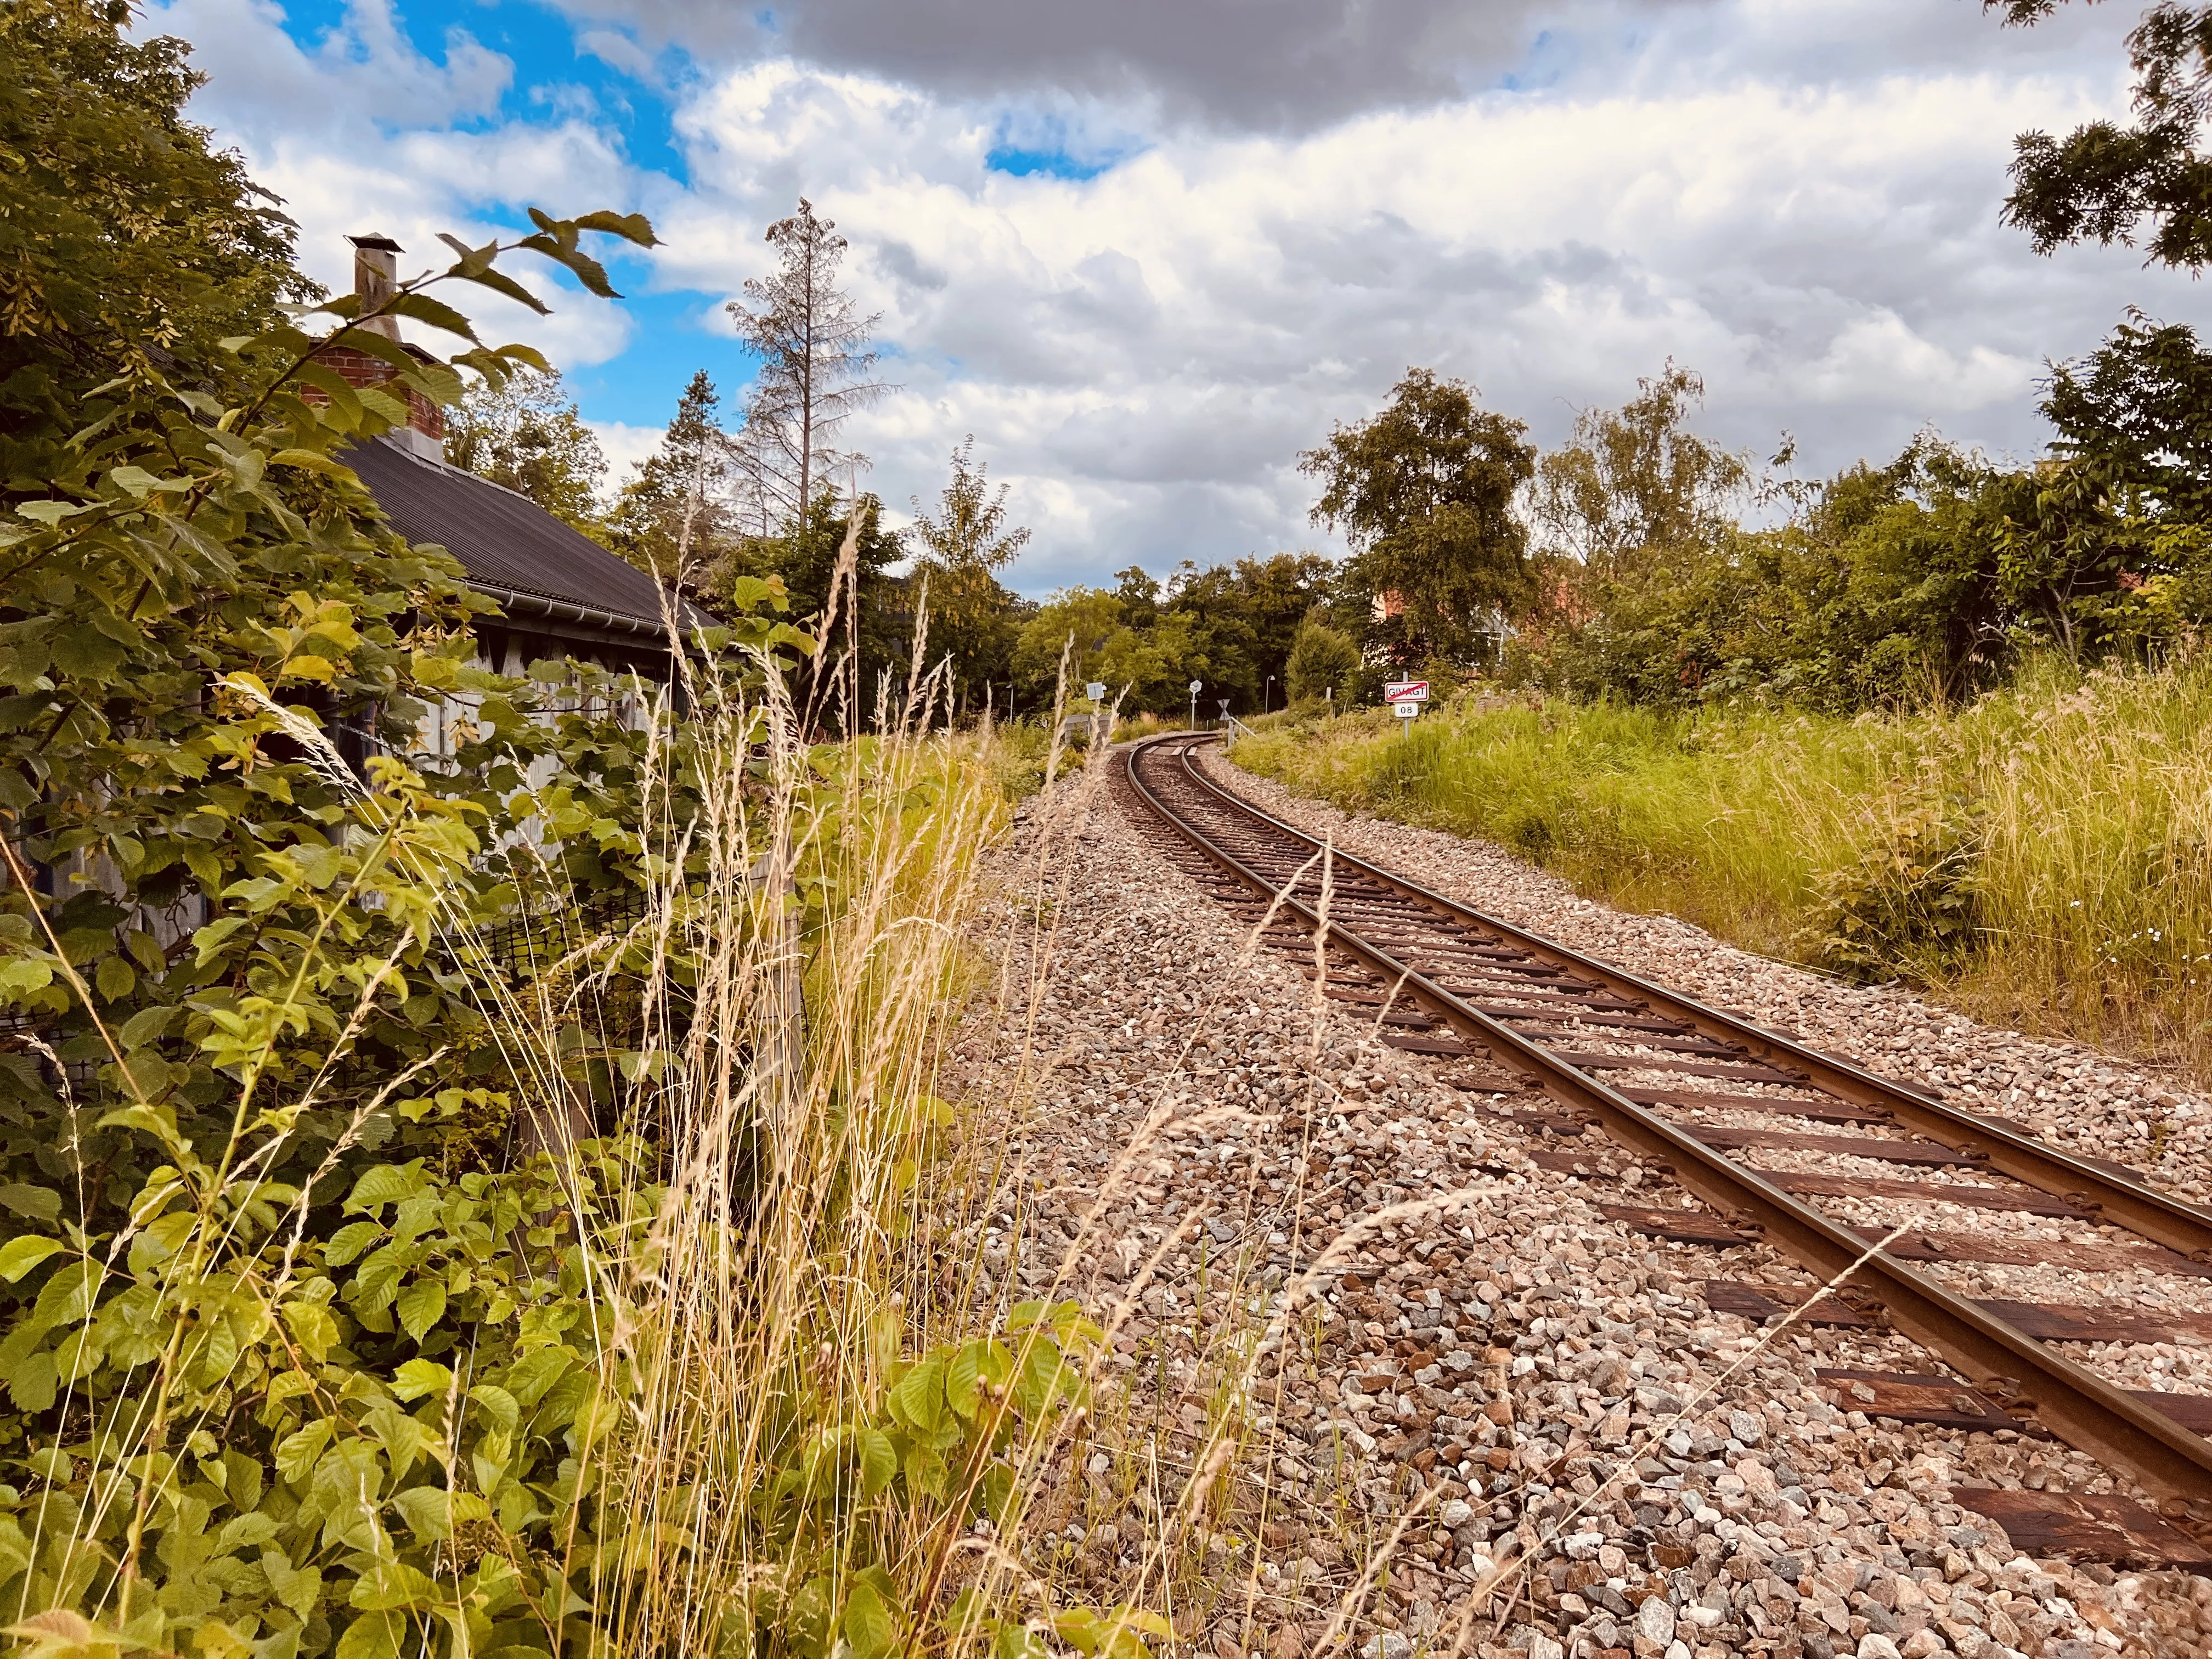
(1377, 1382)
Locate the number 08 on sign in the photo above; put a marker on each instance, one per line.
(1406, 696)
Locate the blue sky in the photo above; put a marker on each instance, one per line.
(1147, 253)
(553, 77)
(557, 71)
(551, 71)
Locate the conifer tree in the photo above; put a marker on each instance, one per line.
(816, 372)
(674, 519)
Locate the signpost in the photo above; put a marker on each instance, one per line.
(1194, 686)
(1406, 697)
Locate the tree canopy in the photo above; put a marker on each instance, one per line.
(131, 246)
(871, 631)
(2140, 408)
(1230, 627)
(1424, 492)
(1931, 576)
(529, 436)
(959, 549)
(1631, 481)
(1322, 662)
(2146, 184)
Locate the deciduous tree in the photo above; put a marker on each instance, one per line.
(129, 245)
(2140, 407)
(1076, 622)
(1424, 492)
(1636, 480)
(2148, 184)
(871, 632)
(1249, 614)
(529, 436)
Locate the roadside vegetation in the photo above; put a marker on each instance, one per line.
(2040, 855)
(517, 1206)
(1939, 719)
(472, 1208)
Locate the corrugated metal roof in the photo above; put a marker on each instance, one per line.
(506, 542)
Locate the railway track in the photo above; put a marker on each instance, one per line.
(1695, 1093)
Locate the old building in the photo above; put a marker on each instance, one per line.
(559, 593)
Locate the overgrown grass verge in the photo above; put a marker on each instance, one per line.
(2042, 857)
(657, 1348)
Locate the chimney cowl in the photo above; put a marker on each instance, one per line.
(375, 276)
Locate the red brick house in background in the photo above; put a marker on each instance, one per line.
(562, 594)
(375, 276)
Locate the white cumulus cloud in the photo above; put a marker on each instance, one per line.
(1800, 200)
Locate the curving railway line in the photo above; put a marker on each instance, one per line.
(1696, 1094)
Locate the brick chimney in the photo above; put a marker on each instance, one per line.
(375, 275)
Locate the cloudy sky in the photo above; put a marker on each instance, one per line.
(1146, 251)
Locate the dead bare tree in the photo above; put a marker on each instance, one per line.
(817, 370)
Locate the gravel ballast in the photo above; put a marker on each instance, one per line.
(1433, 1398)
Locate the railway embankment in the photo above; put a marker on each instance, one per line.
(1390, 1371)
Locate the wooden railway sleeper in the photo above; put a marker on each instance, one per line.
(2074, 1403)
(2182, 1227)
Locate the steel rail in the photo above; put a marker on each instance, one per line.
(2080, 1408)
(2142, 1210)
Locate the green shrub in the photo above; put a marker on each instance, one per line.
(1320, 659)
(432, 1196)
(1911, 901)
(1020, 752)
(278, 1443)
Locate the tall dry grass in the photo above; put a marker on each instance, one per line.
(800, 1405)
(786, 1274)
(2061, 823)
(834, 1225)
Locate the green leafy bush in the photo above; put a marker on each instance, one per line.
(1021, 756)
(276, 1443)
(449, 1211)
(1321, 659)
(1910, 902)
